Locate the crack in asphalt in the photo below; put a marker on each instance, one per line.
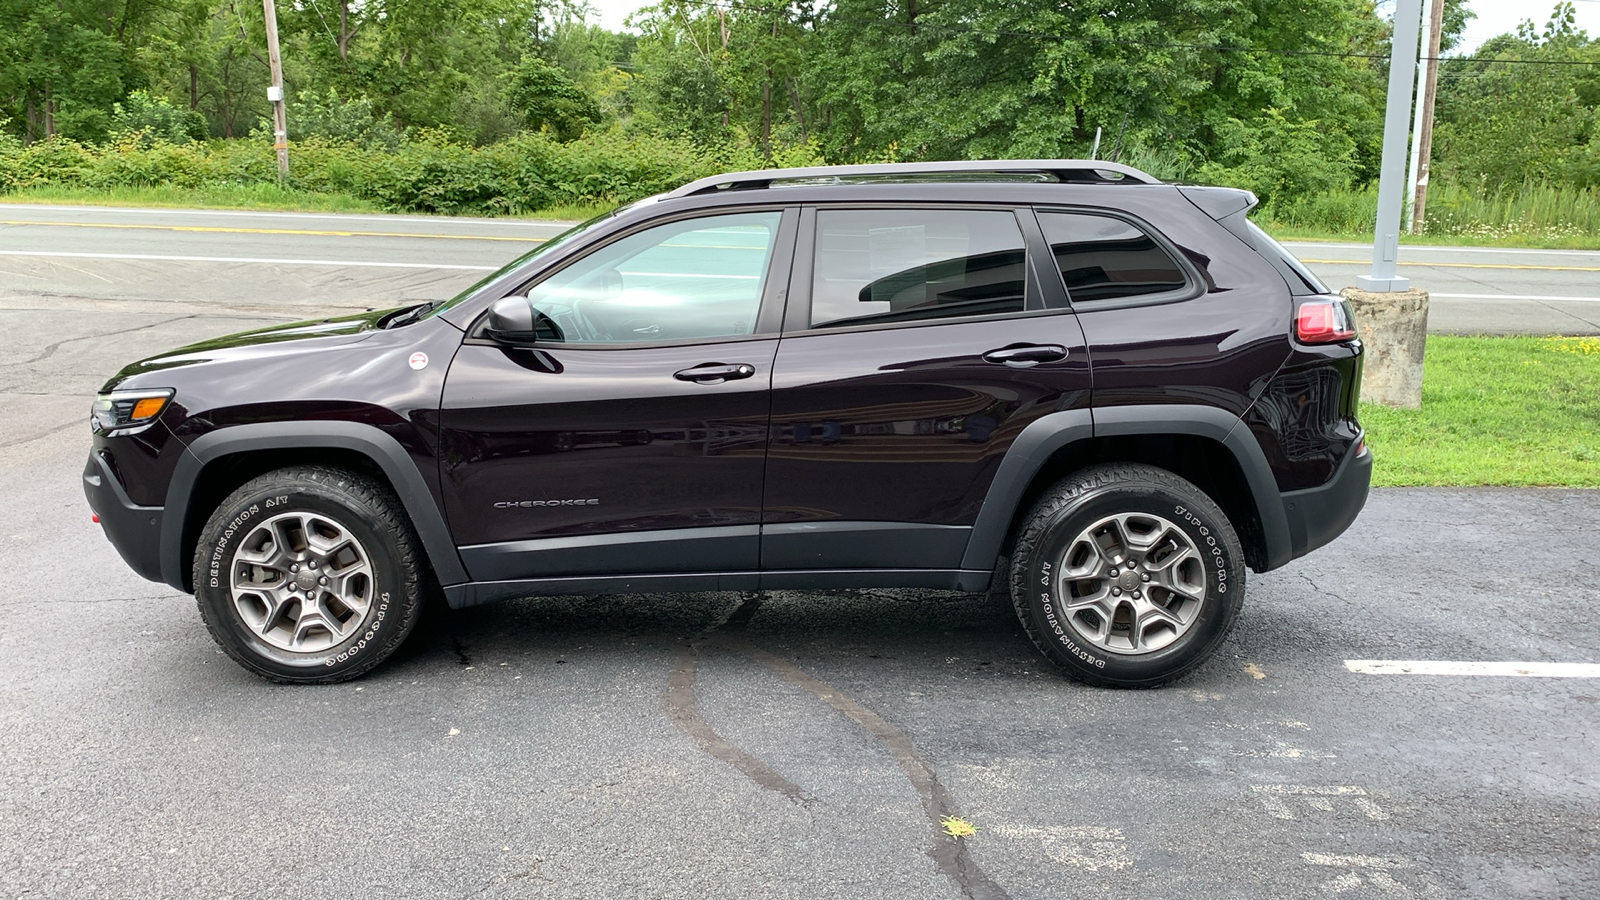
(1319, 589)
(681, 708)
(50, 349)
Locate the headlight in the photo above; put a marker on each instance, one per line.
(128, 411)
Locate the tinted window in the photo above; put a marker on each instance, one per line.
(901, 265)
(696, 279)
(1102, 258)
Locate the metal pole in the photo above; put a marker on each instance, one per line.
(1416, 133)
(1419, 204)
(1392, 173)
(280, 126)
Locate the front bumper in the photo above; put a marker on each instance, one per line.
(1320, 514)
(134, 530)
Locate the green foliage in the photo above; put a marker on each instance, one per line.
(431, 172)
(1501, 123)
(335, 119)
(142, 116)
(1531, 211)
(547, 98)
(1280, 159)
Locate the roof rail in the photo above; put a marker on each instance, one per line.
(1071, 171)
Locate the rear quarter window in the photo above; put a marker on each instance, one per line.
(1104, 258)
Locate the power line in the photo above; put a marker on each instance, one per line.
(1179, 45)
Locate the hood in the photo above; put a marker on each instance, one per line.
(277, 340)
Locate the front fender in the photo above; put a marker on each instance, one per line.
(367, 440)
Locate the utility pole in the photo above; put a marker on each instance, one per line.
(1392, 172)
(280, 125)
(1416, 133)
(1419, 181)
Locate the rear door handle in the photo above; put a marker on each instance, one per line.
(715, 373)
(1025, 355)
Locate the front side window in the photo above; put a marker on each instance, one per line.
(700, 278)
(1102, 258)
(902, 265)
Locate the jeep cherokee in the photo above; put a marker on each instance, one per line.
(1107, 394)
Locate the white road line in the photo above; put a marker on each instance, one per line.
(1551, 297)
(1499, 669)
(246, 259)
(236, 213)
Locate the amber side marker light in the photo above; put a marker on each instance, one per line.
(127, 411)
(1323, 321)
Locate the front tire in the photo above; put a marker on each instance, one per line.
(309, 575)
(1127, 576)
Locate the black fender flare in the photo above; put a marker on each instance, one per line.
(1050, 433)
(367, 440)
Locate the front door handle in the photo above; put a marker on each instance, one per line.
(1021, 356)
(715, 373)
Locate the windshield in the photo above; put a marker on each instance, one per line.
(561, 238)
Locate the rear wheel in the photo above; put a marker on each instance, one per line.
(1127, 575)
(309, 575)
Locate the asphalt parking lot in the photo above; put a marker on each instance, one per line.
(789, 745)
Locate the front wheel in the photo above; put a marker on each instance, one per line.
(309, 575)
(1127, 575)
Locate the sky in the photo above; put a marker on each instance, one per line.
(1494, 16)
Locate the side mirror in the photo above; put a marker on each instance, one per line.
(511, 322)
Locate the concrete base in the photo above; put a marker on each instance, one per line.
(1394, 328)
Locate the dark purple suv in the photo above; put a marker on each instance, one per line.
(1109, 393)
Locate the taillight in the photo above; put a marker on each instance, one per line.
(1323, 322)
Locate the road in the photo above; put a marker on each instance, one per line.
(793, 745)
(318, 262)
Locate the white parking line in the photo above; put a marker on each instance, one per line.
(244, 259)
(1500, 669)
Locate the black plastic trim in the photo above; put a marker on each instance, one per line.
(480, 592)
(722, 548)
(1318, 515)
(1223, 427)
(133, 529)
(1028, 454)
(367, 440)
(971, 581)
(876, 545)
(1048, 434)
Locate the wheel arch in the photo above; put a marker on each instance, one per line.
(1199, 443)
(218, 462)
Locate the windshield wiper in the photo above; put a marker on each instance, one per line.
(407, 316)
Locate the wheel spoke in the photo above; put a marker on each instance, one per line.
(1131, 583)
(302, 582)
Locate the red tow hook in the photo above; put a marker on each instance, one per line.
(95, 518)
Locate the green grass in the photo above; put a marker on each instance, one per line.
(240, 196)
(1495, 411)
(233, 196)
(1534, 215)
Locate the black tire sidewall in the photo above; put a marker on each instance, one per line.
(386, 622)
(1204, 524)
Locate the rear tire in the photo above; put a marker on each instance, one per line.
(1127, 576)
(309, 575)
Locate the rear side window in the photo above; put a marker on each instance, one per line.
(1102, 258)
(904, 265)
